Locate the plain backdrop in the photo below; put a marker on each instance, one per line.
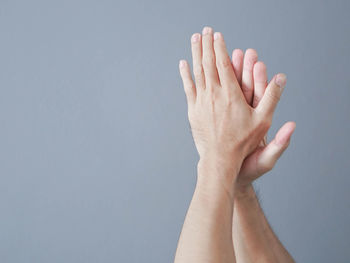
(97, 162)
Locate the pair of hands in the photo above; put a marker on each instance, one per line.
(231, 105)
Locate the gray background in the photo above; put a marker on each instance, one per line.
(97, 163)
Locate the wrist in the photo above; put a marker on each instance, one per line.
(217, 174)
(225, 162)
(218, 167)
(244, 191)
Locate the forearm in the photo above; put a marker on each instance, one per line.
(206, 234)
(253, 238)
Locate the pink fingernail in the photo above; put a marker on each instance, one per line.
(195, 38)
(217, 35)
(281, 80)
(182, 63)
(207, 30)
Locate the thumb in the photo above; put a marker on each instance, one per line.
(272, 94)
(273, 151)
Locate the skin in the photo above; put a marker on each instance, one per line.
(226, 130)
(253, 238)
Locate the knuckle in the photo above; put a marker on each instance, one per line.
(273, 96)
(189, 88)
(209, 100)
(210, 93)
(198, 72)
(212, 102)
(208, 61)
(211, 90)
(224, 63)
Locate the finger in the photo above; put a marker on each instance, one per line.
(208, 60)
(260, 82)
(187, 81)
(223, 63)
(250, 58)
(237, 63)
(273, 151)
(272, 95)
(284, 134)
(196, 46)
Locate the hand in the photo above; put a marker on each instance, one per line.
(252, 77)
(224, 126)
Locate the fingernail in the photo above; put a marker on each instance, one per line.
(195, 38)
(281, 80)
(182, 63)
(217, 35)
(207, 30)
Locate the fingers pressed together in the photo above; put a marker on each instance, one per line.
(243, 75)
(213, 68)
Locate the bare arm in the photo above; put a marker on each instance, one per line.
(206, 235)
(254, 240)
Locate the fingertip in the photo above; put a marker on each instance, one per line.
(237, 55)
(195, 37)
(237, 52)
(250, 58)
(218, 36)
(284, 134)
(182, 64)
(260, 66)
(292, 125)
(185, 70)
(187, 81)
(207, 30)
(251, 51)
(281, 80)
(208, 57)
(272, 94)
(289, 127)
